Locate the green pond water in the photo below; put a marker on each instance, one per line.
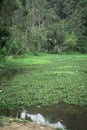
(72, 116)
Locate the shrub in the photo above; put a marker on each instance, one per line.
(57, 50)
(82, 44)
(4, 51)
(70, 41)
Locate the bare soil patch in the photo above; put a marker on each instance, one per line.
(25, 126)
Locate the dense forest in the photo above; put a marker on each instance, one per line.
(52, 26)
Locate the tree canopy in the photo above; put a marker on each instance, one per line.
(27, 25)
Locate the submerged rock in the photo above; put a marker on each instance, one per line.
(57, 125)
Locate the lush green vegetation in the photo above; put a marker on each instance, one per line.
(52, 26)
(29, 30)
(46, 80)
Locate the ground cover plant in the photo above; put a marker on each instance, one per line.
(46, 80)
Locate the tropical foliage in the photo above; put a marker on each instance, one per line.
(27, 25)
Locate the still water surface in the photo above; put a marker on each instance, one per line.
(73, 117)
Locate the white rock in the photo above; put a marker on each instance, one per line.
(40, 119)
(57, 125)
(36, 118)
(23, 115)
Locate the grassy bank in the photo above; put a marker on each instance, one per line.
(46, 80)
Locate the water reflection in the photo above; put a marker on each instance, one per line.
(10, 73)
(74, 117)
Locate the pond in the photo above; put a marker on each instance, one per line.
(73, 117)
